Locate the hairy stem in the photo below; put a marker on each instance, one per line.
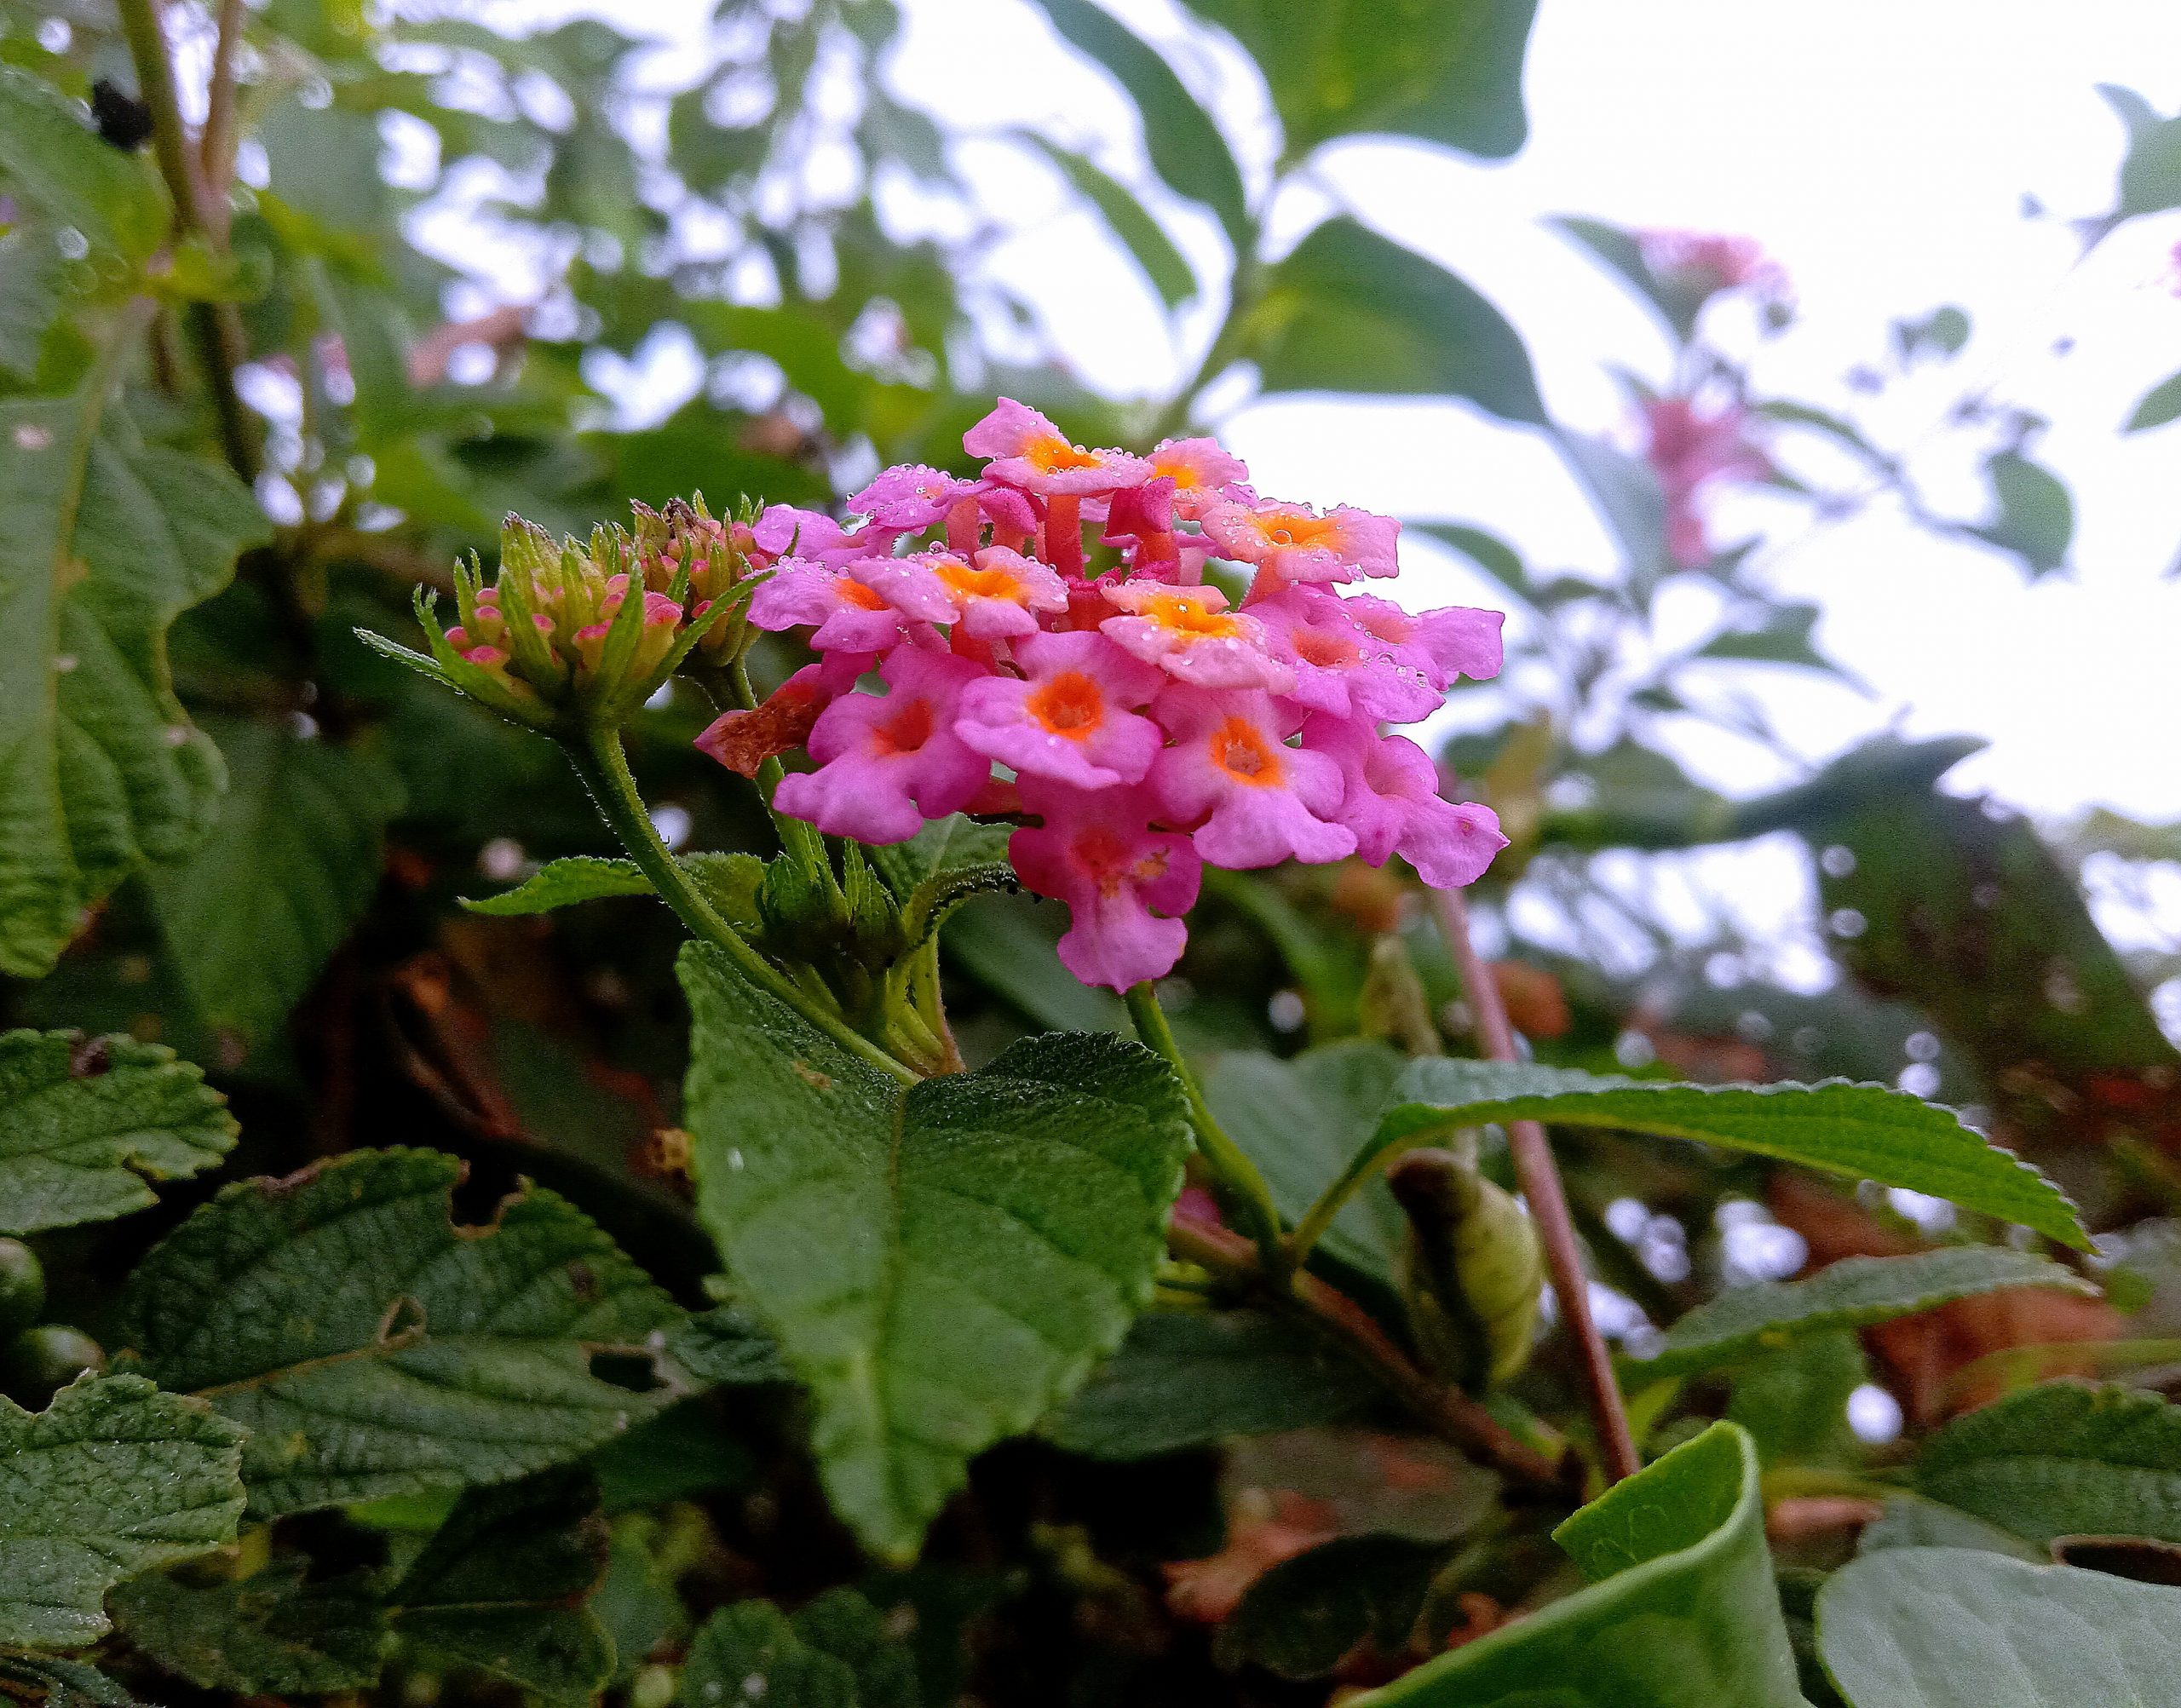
(1539, 1179)
(1229, 1164)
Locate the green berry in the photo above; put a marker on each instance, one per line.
(40, 1362)
(22, 1286)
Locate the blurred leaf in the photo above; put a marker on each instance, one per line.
(1488, 551)
(723, 1345)
(1302, 1617)
(270, 1633)
(1794, 1401)
(1638, 797)
(1678, 299)
(112, 1479)
(2035, 516)
(58, 164)
(1006, 944)
(562, 883)
(253, 916)
(2160, 404)
(1348, 310)
(2151, 175)
(1193, 1378)
(1186, 148)
(1680, 1611)
(2064, 1459)
(2132, 109)
(1945, 331)
(1164, 266)
(843, 1624)
(86, 1123)
(752, 1643)
(1852, 1293)
(1627, 498)
(446, 1355)
(1448, 71)
(1956, 1628)
(103, 542)
(1910, 1522)
(1785, 638)
(941, 1264)
(33, 282)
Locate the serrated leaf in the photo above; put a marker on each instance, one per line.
(1852, 1293)
(85, 1124)
(1864, 1132)
(940, 867)
(2160, 404)
(2064, 1459)
(1302, 1120)
(373, 1348)
(253, 916)
(103, 542)
(112, 1479)
(1165, 267)
(271, 1633)
(1959, 1628)
(941, 1264)
(1191, 1378)
(749, 1653)
(57, 163)
(1348, 310)
(1680, 1611)
(500, 1586)
(562, 883)
(1185, 146)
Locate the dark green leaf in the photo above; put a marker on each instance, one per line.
(1852, 1293)
(940, 867)
(941, 1265)
(1680, 1613)
(1351, 311)
(1959, 1628)
(1164, 266)
(1304, 1615)
(562, 883)
(85, 1124)
(843, 1624)
(373, 1348)
(66, 1683)
(112, 1479)
(1186, 148)
(2160, 404)
(1448, 70)
(270, 1633)
(1192, 1378)
(2034, 515)
(57, 164)
(750, 1653)
(2062, 1459)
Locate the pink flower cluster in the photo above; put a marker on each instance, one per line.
(1144, 725)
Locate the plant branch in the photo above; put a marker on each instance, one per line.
(216, 147)
(1539, 1179)
(1229, 1164)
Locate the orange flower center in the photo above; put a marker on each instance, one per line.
(1298, 530)
(855, 593)
(1068, 704)
(964, 582)
(1104, 856)
(1327, 651)
(1054, 456)
(906, 731)
(1195, 617)
(1239, 748)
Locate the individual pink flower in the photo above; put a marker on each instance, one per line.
(1390, 800)
(1341, 666)
(1097, 853)
(1189, 633)
(849, 615)
(1030, 452)
(994, 595)
(1439, 645)
(1690, 449)
(1201, 469)
(808, 534)
(1074, 719)
(1710, 261)
(886, 763)
(1254, 800)
(1296, 543)
(911, 497)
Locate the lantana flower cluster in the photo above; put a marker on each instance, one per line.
(1047, 648)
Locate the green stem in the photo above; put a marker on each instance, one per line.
(1228, 1162)
(604, 767)
(800, 840)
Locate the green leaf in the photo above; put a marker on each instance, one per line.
(1302, 1617)
(33, 281)
(1680, 1611)
(1945, 330)
(1958, 1627)
(1186, 148)
(1006, 944)
(1678, 300)
(1794, 1401)
(2160, 404)
(2064, 1458)
(500, 1586)
(941, 1265)
(66, 1683)
(112, 1479)
(253, 916)
(373, 1348)
(1785, 637)
(724, 1347)
(1852, 1293)
(1141, 234)
(562, 883)
(749, 1653)
(85, 1124)
(1351, 311)
(1488, 551)
(1448, 71)
(268, 1634)
(1302, 1120)
(1864, 1132)
(940, 867)
(2035, 516)
(844, 1625)
(1909, 1522)
(103, 542)
(1627, 498)
(2151, 175)
(58, 164)
(1191, 1378)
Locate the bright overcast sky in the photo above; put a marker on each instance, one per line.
(1881, 152)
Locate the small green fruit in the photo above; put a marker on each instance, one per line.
(22, 1286)
(39, 1362)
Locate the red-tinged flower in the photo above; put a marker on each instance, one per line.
(887, 762)
(1691, 449)
(1073, 719)
(1390, 801)
(1030, 452)
(1126, 883)
(744, 740)
(1253, 800)
(1294, 543)
(997, 595)
(1189, 633)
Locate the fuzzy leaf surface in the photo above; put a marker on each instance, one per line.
(271, 1633)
